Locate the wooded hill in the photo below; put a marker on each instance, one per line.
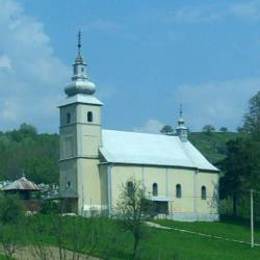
(37, 155)
(212, 145)
(26, 151)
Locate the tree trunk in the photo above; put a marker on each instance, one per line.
(136, 242)
(235, 205)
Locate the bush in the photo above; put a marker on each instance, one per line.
(11, 209)
(11, 222)
(49, 207)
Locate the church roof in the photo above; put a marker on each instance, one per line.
(151, 149)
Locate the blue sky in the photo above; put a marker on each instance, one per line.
(146, 57)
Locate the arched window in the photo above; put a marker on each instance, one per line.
(68, 184)
(90, 116)
(155, 189)
(130, 188)
(178, 191)
(68, 118)
(203, 193)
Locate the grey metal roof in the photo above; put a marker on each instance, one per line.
(151, 149)
(80, 98)
(21, 184)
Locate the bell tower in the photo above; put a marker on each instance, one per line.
(80, 139)
(181, 129)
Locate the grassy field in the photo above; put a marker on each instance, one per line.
(211, 248)
(105, 238)
(233, 229)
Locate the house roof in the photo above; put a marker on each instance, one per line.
(21, 184)
(151, 149)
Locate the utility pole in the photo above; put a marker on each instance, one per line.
(252, 216)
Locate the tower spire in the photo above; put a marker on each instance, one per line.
(180, 112)
(79, 43)
(80, 83)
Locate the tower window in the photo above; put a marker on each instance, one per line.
(68, 118)
(203, 193)
(178, 191)
(90, 116)
(155, 189)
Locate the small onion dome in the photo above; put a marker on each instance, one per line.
(181, 121)
(80, 86)
(79, 60)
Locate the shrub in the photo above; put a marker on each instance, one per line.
(11, 209)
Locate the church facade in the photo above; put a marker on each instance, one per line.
(94, 162)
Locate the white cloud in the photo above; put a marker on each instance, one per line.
(192, 14)
(222, 103)
(248, 9)
(5, 62)
(31, 76)
(9, 111)
(104, 25)
(200, 13)
(151, 126)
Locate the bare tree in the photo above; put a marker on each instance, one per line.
(134, 209)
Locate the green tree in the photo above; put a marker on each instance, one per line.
(11, 209)
(11, 223)
(252, 118)
(241, 168)
(223, 129)
(242, 163)
(36, 154)
(208, 129)
(134, 209)
(234, 167)
(167, 130)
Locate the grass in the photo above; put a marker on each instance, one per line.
(188, 246)
(105, 238)
(233, 229)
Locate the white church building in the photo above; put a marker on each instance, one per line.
(95, 162)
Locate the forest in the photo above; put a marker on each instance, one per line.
(24, 151)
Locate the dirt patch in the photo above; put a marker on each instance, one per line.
(48, 253)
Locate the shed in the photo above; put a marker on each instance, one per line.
(23, 187)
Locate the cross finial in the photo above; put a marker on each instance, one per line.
(181, 112)
(79, 41)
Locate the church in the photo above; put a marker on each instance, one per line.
(96, 162)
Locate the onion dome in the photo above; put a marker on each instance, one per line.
(80, 83)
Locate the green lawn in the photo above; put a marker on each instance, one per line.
(233, 229)
(105, 238)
